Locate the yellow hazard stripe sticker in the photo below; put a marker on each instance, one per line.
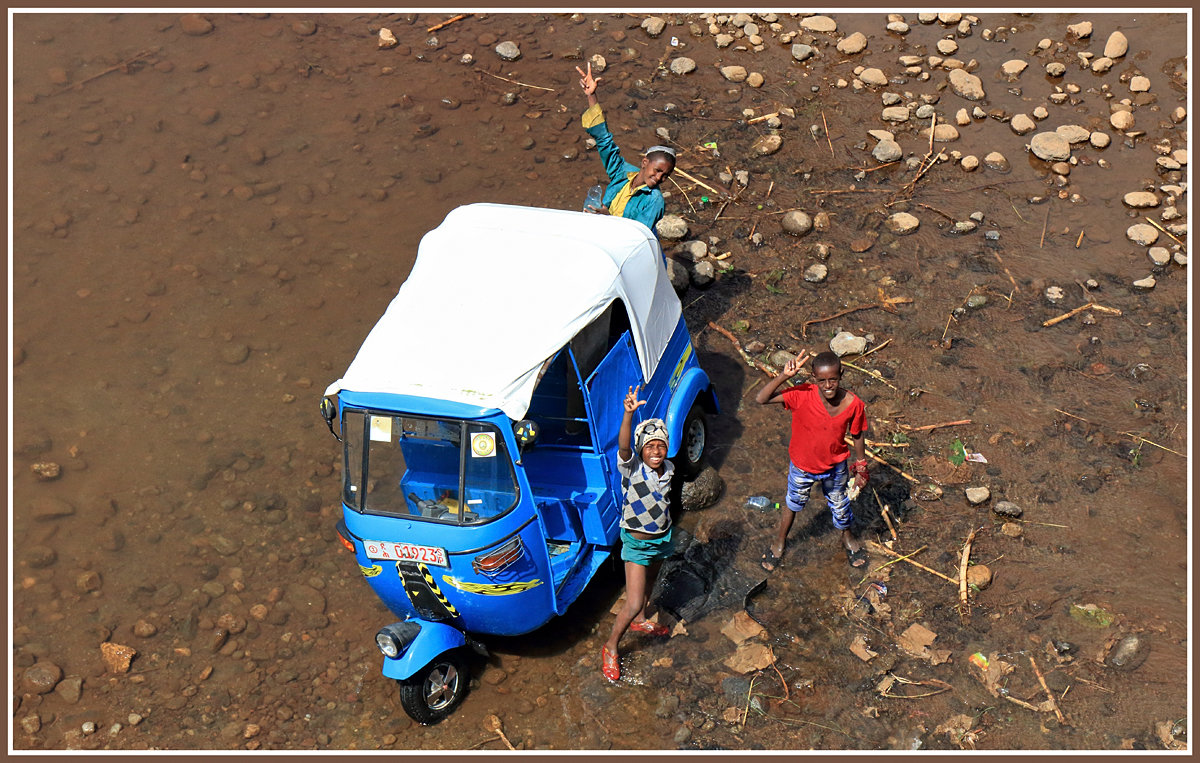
(492, 589)
(437, 592)
(370, 572)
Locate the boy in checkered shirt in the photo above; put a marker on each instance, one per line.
(645, 525)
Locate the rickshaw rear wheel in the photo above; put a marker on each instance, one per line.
(434, 692)
(694, 448)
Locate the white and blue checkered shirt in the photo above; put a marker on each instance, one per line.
(645, 508)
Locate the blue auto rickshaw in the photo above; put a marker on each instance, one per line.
(479, 422)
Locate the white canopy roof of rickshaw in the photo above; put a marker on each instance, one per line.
(496, 290)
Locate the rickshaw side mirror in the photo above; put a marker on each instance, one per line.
(329, 413)
(526, 432)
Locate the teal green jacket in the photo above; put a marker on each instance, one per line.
(645, 205)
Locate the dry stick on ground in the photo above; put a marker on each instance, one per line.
(885, 565)
(763, 118)
(755, 364)
(786, 694)
(1045, 224)
(448, 22)
(1164, 230)
(905, 557)
(1130, 435)
(806, 324)
(513, 81)
(927, 427)
(492, 723)
(962, 571)
(1022, 703)
(1079, 240)
(885, 343)
(946, 330)
(935, 209)
(123, 66)
(872, 169)
(850, 190)
(717, 216)
(699, 182)
(1049, 694)
(883, 511)
(898, 470)
(685, 196)
(1011, 280)
(770, 188)
(827, 140)
(872, 374)
(1080, 309)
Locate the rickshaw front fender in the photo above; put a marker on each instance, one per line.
(433, 639)
(694, 386)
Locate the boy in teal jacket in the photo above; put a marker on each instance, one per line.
(632, 191)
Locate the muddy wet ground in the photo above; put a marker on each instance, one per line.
(209, 215)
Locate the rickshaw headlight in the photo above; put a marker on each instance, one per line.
(387, 644)
(393, 639)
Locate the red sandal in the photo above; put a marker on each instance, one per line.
(609, 665)
(650, 628)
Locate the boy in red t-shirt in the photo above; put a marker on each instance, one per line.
(822, 414)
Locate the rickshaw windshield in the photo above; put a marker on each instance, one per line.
(427, 469)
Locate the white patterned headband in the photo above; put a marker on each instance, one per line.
(661, 149)
(648, 431)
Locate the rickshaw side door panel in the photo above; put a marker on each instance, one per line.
(606, 390)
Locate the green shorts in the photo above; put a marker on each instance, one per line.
(644, 552)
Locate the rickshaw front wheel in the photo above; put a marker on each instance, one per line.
(694, 447)
(434, 692)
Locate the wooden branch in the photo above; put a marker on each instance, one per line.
(1011, 280)
(806, 324)
(1022, 703)
(1072, 313)
(883, 511)
(698, 182)
(755, 364)
(763, 118)
(513, 81)
(827, 140)
(123, 66)
(872, 374)
(1049, 694)
(448, 22)
(1164, 230)
(962, 569)
(885, 343)
(907, 428)
(896, 469)
(1130, 435)
(685, 196)
(905, 557)
(1045, 224)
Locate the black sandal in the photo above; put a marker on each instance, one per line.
(769, 561)
(857, 559)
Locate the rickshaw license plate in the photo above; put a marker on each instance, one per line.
(405, 552)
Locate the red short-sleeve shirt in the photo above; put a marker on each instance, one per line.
(818, 439)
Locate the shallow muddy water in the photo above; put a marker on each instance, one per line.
(207, 222)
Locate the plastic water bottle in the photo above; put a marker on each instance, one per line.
(595, 198)
(760, 502)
